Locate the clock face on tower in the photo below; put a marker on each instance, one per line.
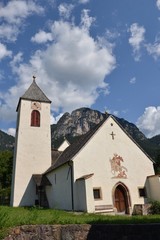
(36, 105)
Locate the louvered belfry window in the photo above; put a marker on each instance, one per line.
(35, 118)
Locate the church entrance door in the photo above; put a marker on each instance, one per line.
(121, 201)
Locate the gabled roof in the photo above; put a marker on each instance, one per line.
(74, 148)
(55, 154)
(34, 93)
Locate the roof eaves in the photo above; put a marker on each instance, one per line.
(84, 177)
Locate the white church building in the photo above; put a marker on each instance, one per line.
(104, 170)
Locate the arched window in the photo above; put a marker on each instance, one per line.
(35, 118)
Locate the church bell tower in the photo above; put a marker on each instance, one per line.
(33, 145)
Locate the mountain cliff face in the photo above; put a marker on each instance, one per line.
(80, 121)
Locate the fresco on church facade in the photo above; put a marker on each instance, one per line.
(117, 169)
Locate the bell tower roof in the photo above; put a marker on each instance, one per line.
(34, 93)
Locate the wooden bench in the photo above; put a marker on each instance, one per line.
(104, 208)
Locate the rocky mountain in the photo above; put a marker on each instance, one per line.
(156, 140)
(80, 121)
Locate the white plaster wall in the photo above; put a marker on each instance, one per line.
(83, 195)
(154, 187)
(81, 198)
(59, 194)
(95, 156)
(89, 195)
(63, 146)
(33, 153)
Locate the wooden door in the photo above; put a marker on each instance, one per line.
(120, 201)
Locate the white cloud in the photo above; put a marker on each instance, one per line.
(86, 20)
(13, 15)
(7, 109)
(154, 50)
(4, 52)
(132, 80)
(124, 111)
(113, 112)
(17, 59)
(65, 10)
(116, 113)
(158, 4)
(52, 3)
(11, 131)
(104, 42)
(16, 10)
(1, 76)
(71, 71)
(9, 32)
(84, 1)
(136, 39)
(54, 120)
(148, 123)
(42, 37)
(112, 34)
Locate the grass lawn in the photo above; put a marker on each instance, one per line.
(11, 217)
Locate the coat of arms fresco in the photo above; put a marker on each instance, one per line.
(117, 169)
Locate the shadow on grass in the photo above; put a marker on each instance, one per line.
(124, 231)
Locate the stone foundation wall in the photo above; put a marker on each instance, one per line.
(86, 232)
(141, 209)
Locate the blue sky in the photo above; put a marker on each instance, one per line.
(84, 53)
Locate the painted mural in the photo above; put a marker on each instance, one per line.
(117, 169)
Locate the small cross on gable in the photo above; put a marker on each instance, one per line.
(112, 134)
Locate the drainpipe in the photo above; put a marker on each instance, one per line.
(70, 164)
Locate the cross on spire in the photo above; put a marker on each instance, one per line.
(112, 134)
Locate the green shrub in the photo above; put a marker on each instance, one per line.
(155, 207)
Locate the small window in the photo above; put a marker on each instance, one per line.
(142, 192)
(35, 118)
(97, 193)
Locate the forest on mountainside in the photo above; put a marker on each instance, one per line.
(6, 141)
